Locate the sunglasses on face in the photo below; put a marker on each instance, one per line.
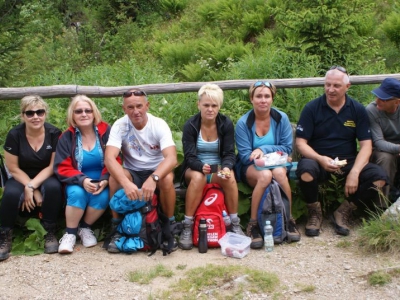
(81, 111)
(341, 69)
(134, 93)
(31, 113)
(260, 83)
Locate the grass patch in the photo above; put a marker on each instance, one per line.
(307, 288)
(145, 277)
(343, 244)
(223, 282)
(380, 234)
(181, 267)
(379, 278)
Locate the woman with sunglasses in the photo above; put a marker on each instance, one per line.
(79, 164)
(260, 131)
(208, 139)
(32, 189)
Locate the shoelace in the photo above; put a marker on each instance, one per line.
(346, 216)
(87, 233)
(186, 233)
(50, 236)
(313, 217)
(66, 237)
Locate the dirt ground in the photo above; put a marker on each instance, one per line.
(92, 273)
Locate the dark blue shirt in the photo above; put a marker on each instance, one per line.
(334, 134)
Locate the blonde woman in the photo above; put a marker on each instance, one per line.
(208, 139)
(32, 189)
(79, 164)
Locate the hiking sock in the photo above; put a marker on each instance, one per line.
(188, 220)
(71, 230)
(172, 219)
(233, 216)
(83, 224)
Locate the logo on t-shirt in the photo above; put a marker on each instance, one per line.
(48, 147)
(349, 123)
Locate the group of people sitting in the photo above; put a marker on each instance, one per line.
(91, 160)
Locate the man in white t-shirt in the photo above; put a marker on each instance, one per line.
(149, 157)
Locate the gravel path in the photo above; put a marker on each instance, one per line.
(336, 273)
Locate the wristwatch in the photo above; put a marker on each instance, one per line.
(155, 177)
(31, 186)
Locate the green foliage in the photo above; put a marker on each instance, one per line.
(380, 234)
(391, 27)
(31, 243)
(331, 193)
(173, 6)
(338, 33)
(379, 278)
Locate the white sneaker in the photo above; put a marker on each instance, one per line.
(67, 243)
(87, 237)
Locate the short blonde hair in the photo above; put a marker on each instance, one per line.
(71, 107)
(33, 100)
(212, 91)
(258, 84)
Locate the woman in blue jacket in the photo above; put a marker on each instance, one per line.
(260, 131)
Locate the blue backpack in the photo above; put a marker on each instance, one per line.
(275, 207)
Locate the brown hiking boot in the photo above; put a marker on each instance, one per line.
(5, 243)
(314, 219)
(293, 235)
(341, 217)
(51, 242)
(253, 231)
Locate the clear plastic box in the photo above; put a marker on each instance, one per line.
(235, 245)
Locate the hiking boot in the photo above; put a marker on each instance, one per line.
(50, 240)
(314, 219)
(5, 243)
(186, 237)
(67, 243)
(253, 231)
(293, 235)
(87, 237)
(112, 246)
(174, 246)
(341, 217)
(236, 228)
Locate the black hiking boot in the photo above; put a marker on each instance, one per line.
(5, 243)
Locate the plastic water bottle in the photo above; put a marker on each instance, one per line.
(203, 246)
(268, 238)
(227, 221)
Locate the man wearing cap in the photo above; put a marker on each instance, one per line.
(384, 116)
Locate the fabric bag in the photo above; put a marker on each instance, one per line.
(144, 227)
(275, 207)
(210, 208)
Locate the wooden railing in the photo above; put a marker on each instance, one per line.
(61, 91)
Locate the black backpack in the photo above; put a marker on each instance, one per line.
(275, 207)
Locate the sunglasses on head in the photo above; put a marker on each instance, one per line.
(260, 83)
(134, 93)
(31, 113)
(341, 69)
(80, 111)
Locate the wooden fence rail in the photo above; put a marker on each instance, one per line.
(61, 91)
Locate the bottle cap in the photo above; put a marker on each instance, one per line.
(268, 222)
(224, 214)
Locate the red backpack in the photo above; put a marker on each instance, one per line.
(210, 208)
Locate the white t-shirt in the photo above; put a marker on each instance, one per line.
(141, 149)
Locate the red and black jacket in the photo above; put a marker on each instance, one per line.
(65, 165)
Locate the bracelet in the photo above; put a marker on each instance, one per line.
(29, 185)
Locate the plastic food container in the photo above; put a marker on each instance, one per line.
(235, 245)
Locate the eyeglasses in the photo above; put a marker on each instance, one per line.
(134, 93)
(31, 113)
(341, 69)
(80, 111)
(260, 83)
